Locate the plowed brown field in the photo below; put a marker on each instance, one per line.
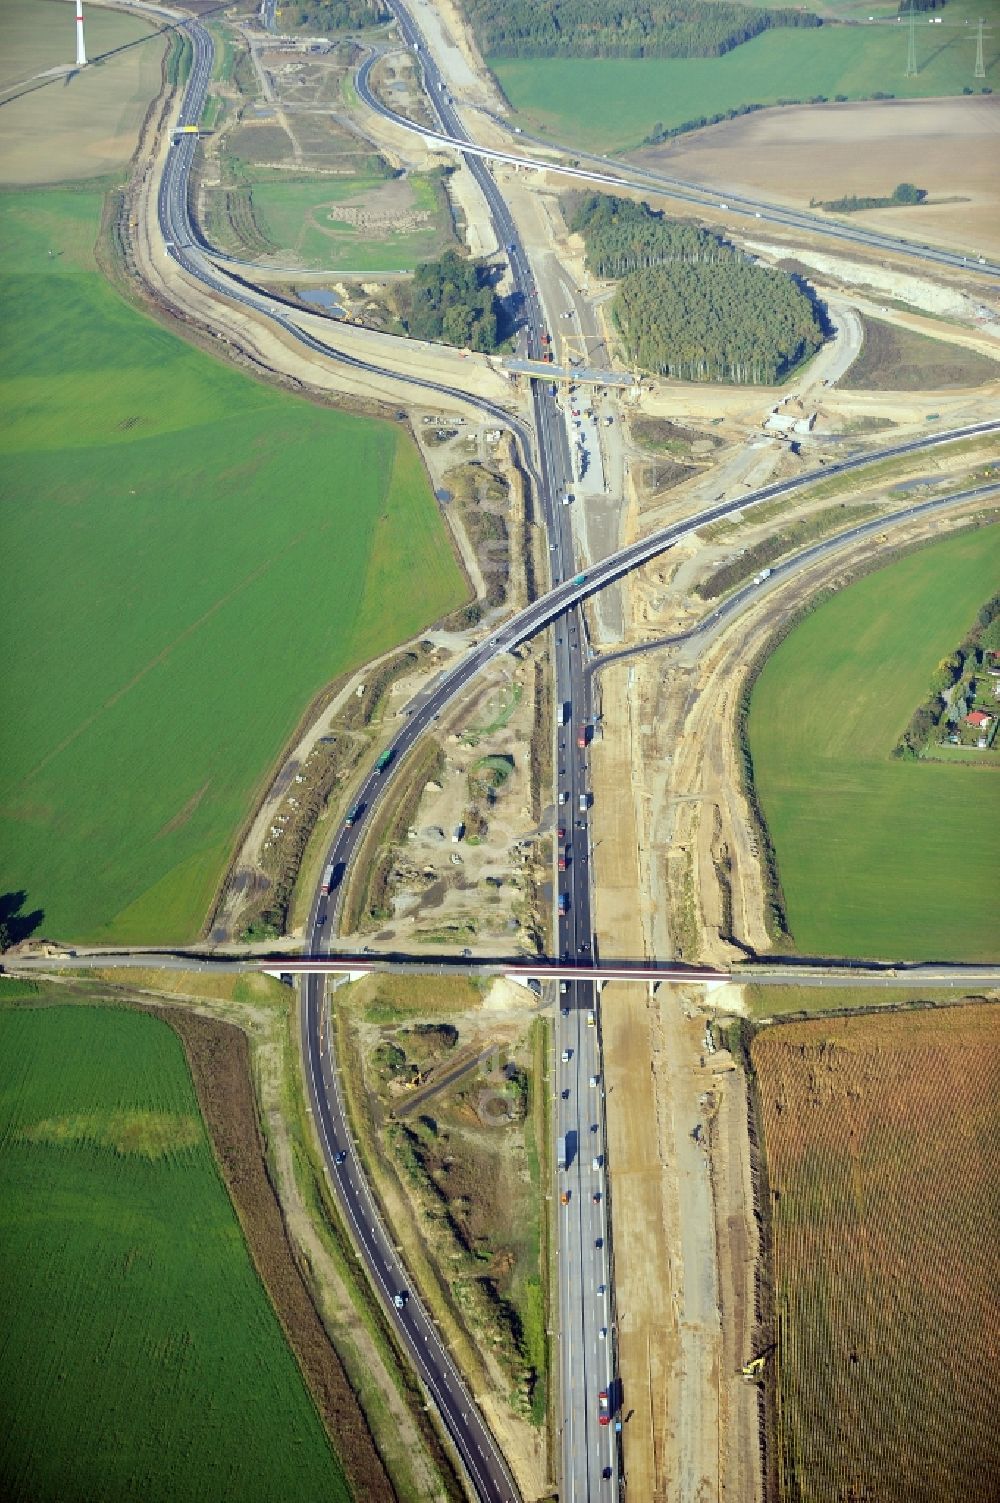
(881, 1138)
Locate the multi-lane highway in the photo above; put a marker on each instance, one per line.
(665, 186)
(589, 1459)
(780, 572)
(482, 1458)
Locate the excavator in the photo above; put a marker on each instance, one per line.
(755, 1366)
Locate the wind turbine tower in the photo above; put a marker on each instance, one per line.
(81, 50)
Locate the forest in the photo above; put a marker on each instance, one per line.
(340, 15)
(451, 300)
(690, 305)
(621, 28)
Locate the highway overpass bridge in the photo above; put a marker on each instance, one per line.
(789, 971)
(585, 375)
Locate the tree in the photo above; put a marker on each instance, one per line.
(907, 193)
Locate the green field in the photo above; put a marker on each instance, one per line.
(189, 557)
(301, 217)
(141, 1357)
(613, 104)
(879, 858)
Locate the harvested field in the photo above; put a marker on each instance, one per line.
(895, 359)
(141, 1356)
(64, 127)
(882, 1143)
(945, 146)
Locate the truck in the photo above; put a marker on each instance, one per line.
(579, 578)
(354, 815)
(583, 803)
(562, 713)
(561, 1159)
(603, 1408)
(564, 903)
(384, 760)
(581, 736)
(327, 879)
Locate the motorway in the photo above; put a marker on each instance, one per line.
(779, 573)
(664, 186)
(589, 1456)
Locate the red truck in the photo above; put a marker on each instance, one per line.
(603, 1408)
(581, 736)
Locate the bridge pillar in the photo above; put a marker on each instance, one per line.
(525, 981)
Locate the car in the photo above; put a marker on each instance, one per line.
(564, 1011)
(561, 833)
(596, 1197)
(399, 1299)
(563, 987)
(599, 1242)
(564, 1198)
(566, 1056)
(340, 1157)
(601, 1288)
(595, 1080)
(595, 1162)
(594, 1126)
(603, 1408)
(565, 1094)
(591, 1021)
(563, 795)
(603, 1333)
(606, 1473)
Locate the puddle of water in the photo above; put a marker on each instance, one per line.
(323, 299)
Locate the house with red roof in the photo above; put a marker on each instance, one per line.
(978, 718)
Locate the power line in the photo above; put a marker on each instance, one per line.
(911, 56)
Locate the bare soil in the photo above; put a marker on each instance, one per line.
(448, 1176)
(893, 358)
(946, 146)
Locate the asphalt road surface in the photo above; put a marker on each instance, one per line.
(587, 1360)
(677, 188)
(780, 572)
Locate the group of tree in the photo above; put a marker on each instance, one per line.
(451, 300)
(903, 193)
(621, 28)
(690, 305)
(952, 687)
(343, 15)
